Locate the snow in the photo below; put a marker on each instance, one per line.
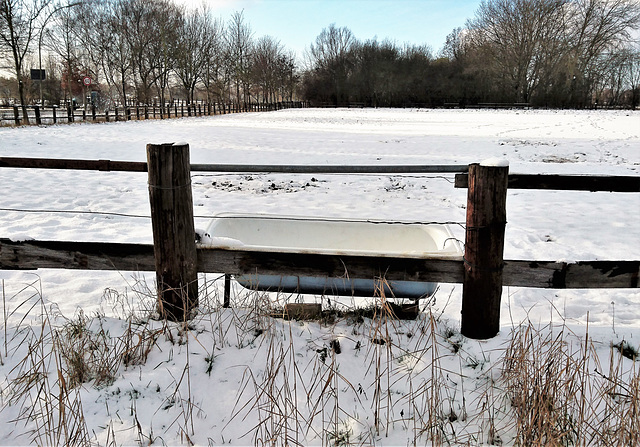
(21, 238)
(113, 207)
(495, 162)
(222, 242)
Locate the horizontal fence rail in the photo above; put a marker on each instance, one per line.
(33, 255)
(78, 165)
(132, 166)
(565, 182)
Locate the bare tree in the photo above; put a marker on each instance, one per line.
(63, 40)
(266, 61)
(633, 65)
(164, 47)
(18, 27)
(239, 46)
(523, 38)
(192, 49)
(288, 74)
(454, 47)
(153, 28)
(332, 44)
(212, 75)
(330, 53)
(142, 28)
(105, 29)
(597, 28)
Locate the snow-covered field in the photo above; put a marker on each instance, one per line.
(154, 401)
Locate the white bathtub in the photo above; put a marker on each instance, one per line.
(337, 237)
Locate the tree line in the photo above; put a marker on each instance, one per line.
(553, 53)
(140, 52)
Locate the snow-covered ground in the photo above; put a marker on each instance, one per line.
(543, 225)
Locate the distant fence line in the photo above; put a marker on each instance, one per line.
(13, 115)
(424, 105)
(463, 105)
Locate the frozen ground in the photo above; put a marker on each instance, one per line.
(543, 225)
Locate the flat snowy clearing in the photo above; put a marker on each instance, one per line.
(113, 207)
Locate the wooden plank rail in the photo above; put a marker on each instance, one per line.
(572, 275)
(34, 255)
(80, 165)
(132, 166)
(565, 182)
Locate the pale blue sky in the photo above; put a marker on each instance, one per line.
(297, 23)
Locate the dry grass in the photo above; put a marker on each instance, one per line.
(558, 393)
(350, 378)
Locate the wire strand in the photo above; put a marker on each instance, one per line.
(301, 218)
(98, 213)
(337, 219)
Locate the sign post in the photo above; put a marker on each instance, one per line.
(86, 82)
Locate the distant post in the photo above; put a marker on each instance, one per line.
(484, 247)
(174, 237)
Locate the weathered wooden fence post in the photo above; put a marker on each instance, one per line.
(174, 236)
(16, 115)
(484, 246)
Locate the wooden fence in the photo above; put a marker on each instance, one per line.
(67, 114)
(482, 271)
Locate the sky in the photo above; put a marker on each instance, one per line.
(297, 23)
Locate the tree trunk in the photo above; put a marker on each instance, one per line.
(25, 113)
